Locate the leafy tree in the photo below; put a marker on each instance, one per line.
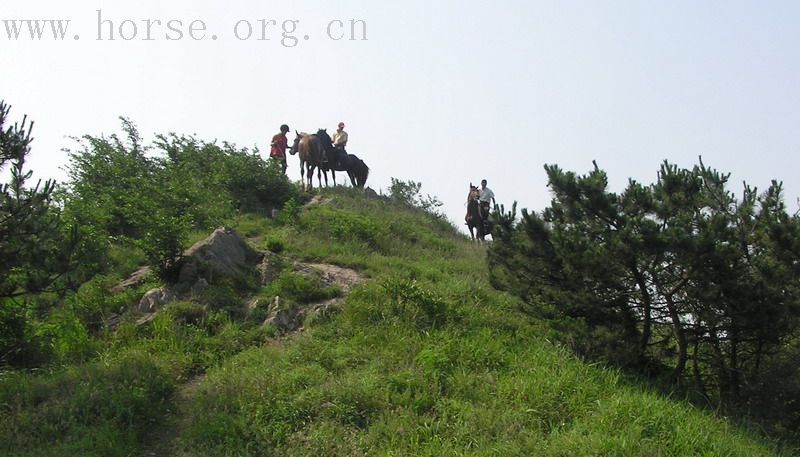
(408, 193)
(121, 191)
(677, 277)
(117, 193)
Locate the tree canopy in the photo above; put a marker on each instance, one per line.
(677, 279)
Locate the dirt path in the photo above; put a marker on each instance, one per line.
(165, 441)
(166, 437)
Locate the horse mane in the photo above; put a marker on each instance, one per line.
(325, 137)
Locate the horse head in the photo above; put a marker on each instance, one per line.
(474, 193)
(327, 142)
(296, 144)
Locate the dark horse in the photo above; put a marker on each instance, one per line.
(474, 217)
(310, 149)
(339, 160)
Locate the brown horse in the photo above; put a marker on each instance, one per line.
(310, 151)
(474, 218)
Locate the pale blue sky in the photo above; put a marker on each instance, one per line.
(442, 92)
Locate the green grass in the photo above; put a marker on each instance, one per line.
(423, 359)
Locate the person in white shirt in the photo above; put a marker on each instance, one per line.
(339, 141)
(340, 137)
(485, 197)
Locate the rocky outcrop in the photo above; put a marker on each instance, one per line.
(287, 319)
(154, 299)
(138, 277)
(223, 253)
(370, 193)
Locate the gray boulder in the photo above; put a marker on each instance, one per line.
(154, 299)
(223, 253)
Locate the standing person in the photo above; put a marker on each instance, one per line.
(485, 196)
(279, 146)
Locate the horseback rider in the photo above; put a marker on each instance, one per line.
(340, 141)
(279, 146)
(340, 137)
(485, 196)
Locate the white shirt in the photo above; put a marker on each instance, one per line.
(340, 138)
(486, 195)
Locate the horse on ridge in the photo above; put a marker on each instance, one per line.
(339, 160)
(310, 149)
(474, 218)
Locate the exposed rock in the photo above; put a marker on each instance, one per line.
(223, 253)
(290, 319)
(154, 299)
(252, 305)
(269, 268)
(147, 318)
(136, 278)
(370, 193)
(333, 275)
(285, 320)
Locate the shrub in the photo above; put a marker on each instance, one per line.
(417, 304)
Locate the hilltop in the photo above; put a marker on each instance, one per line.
(421, 356)
(344, 322)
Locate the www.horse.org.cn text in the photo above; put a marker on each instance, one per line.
(285, 32)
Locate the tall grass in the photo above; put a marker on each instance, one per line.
(423, 359)
(427, 359)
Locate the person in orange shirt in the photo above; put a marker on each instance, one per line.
(279, 146)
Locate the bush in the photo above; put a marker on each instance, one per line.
(119, 192)
(413, 302)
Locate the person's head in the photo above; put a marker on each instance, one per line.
(483, 183)
(284, 128)
(341, 125)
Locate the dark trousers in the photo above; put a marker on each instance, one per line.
(484, 210)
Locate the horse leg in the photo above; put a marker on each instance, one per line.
(352, 177)
(303, 174)
(310, 170)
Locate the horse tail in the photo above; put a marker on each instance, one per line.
(362, 173)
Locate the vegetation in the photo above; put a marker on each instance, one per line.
(678, 280)
(424, 357)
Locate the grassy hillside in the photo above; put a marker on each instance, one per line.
(423, 358)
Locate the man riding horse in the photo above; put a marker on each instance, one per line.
(485, 196)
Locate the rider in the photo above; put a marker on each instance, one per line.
(340, 137)
(485, 196)
(340, 140)
(279, 146)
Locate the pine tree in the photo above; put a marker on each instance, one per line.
(679, 276)
(33, 245)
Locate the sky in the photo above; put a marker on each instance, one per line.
(445, 93)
